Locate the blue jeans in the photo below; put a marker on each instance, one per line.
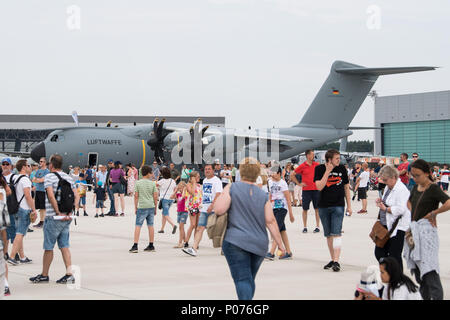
(166, 203)
(243, 266)
(112, 209)
(331, 219)
(11, 230)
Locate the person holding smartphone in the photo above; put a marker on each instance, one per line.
(332, 181)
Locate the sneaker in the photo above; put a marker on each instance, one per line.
(305, 230)
(96, 216)
(329, 265)
(68, 278)
(336, 267)
(161, 231)
(40, 225)
(85, 214)
(316, 230)
(186, 245)
(286, 256)
(270, 256)
(134, 249)
(190, 251)
(115, 215)
(40, 278)
(26, 260)
(30, 230)
(150, 248)
(7, 292)
(12, 262)
(102, 215)
(174, 229)
(348, 214)
(122, 214)
(17, 257)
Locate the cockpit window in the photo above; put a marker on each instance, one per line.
(57, 138)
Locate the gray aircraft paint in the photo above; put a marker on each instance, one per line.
(326, 120)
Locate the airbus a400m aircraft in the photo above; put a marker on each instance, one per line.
(326, 120)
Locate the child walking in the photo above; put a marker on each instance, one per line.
(182, 214)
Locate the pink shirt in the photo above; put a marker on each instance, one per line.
(181, 203)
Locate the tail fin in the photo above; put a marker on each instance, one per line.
(343, 93)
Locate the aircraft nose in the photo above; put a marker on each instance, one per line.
(38, 152)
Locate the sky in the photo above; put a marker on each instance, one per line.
(258, 63)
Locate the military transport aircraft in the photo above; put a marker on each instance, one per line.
(326, 120)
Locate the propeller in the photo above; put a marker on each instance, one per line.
(156, 141)
(200, 130)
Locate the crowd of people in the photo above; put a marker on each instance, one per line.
(254, 198)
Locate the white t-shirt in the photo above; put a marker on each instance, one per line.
(364, 179)
(277, 189)
(25, 182)
(210, 188)
(444, 175)
(225, 174)
(166, 188)
(402, 293)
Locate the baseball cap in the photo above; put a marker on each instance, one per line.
(7, 160)
(117, 162)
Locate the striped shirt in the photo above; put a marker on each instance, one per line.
(51, 180)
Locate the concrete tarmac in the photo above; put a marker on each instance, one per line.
(99, 248)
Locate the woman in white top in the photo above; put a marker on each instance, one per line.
(398, 286)
(166, 188)
(393, 206)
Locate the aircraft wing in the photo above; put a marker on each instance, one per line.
(278, 137)
(16, 154)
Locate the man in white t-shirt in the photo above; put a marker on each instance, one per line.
(361, 185)
(212, 187)
(23, 186)
(444, 178)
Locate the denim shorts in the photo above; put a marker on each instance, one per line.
(166, 203)
(22, 221)
(331, 219)
(117, 188)
(145, 214)
(82, 201)
(203, 219)
(182, 217)
(99, 204)
(280, 215)
(56, 230)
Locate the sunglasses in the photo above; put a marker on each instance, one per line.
(5, 163)
(415, 156)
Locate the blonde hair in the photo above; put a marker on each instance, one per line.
(264, 176)
(249, 169)
(181, 185)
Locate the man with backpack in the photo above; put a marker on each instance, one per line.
(61, 197)
(22, 207)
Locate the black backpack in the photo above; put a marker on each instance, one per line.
(11, 200)
(64, 195)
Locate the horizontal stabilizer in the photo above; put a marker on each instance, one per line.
(364, 128)
(382, 71)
